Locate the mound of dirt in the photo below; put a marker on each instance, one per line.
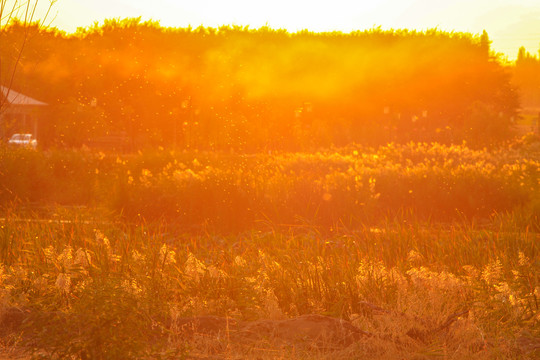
(313, 329)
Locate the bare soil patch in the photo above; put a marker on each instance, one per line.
(307, 336)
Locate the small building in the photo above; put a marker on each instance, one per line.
(19, 113)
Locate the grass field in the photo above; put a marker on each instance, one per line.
(416, 251)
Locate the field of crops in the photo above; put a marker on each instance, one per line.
(332, 188)
(415, 251)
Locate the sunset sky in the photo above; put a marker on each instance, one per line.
(509, 23)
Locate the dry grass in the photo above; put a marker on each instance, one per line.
(404, 292)
(325, 275)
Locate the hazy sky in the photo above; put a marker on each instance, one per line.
(509, 23)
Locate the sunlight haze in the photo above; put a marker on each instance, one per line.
(256, 179)
(510, 24)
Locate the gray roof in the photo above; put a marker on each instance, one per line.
(15, 98)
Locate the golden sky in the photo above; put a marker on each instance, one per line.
(509, 23)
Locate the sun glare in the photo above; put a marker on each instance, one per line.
(270, 180)
(509, 25)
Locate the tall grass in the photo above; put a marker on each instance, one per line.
(109, 290)
(432, 250)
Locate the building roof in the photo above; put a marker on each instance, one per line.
(15, 98)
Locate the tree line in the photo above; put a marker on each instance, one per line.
(235, 88)
(526, 77)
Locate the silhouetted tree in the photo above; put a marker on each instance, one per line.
(241, 89)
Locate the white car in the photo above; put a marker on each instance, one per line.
(23, 140)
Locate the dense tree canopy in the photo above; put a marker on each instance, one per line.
(250, 90)
(527, 78)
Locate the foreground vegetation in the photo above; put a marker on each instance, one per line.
(422, 251)
(100, 290)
